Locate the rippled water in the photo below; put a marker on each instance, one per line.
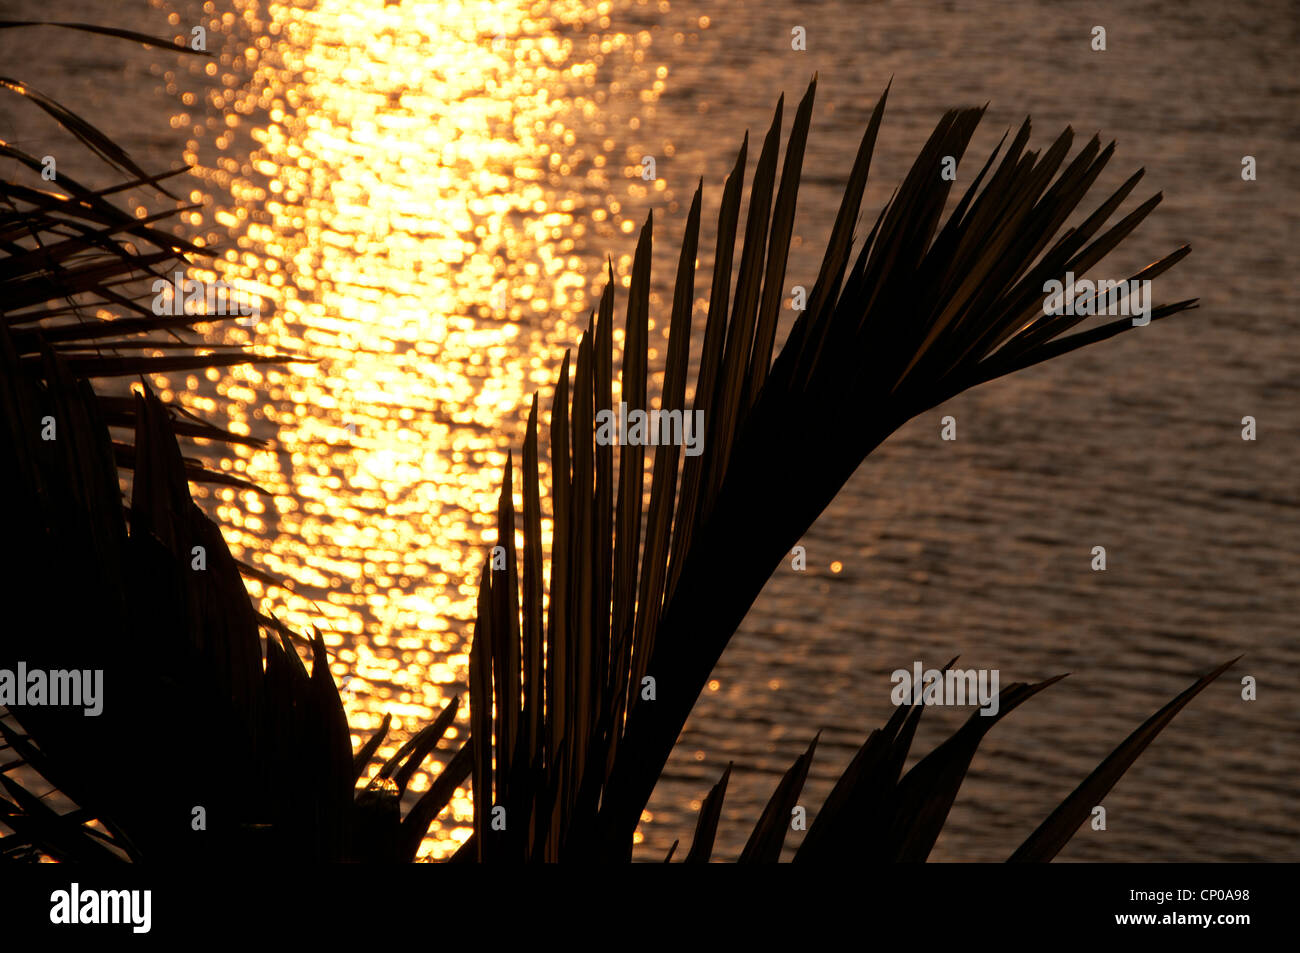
(427, 192)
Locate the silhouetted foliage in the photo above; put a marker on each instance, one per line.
(210, 703)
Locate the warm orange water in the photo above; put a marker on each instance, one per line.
(412, 196)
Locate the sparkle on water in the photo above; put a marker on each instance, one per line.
(406, 187)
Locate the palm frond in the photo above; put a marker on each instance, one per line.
(873, 816)
(256, 758)
(1053, 834)
(121, 34)
(927, 308)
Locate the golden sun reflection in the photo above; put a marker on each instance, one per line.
(408, 184)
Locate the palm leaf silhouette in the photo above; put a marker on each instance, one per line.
(566, 739)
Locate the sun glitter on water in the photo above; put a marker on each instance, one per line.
(409, 185)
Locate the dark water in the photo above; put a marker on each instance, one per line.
(432, 158)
